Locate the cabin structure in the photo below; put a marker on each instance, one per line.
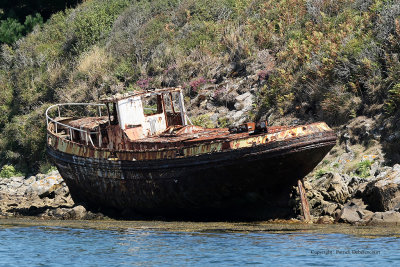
(130, 117)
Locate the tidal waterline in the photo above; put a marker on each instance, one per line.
(31, 242)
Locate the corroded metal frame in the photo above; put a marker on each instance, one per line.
(69, 127)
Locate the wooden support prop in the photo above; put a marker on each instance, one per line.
(304, 202)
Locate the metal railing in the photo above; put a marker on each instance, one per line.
(70, 128)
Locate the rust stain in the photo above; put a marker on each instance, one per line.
(193, 141)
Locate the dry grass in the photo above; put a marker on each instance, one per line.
(94, 61)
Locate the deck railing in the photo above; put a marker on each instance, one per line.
(69, 127)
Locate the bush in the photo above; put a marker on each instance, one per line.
(363, 169)
(8, 171)
(203, 121)
(11, 29)
(92, 21)
(46, 168)
(392, 104)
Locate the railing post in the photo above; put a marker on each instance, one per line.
(99, 111)
(59, 113)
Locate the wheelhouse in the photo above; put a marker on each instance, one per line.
(129, 117)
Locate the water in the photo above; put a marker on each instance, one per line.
(54, 243)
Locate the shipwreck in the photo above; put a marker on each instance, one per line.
(137, 153)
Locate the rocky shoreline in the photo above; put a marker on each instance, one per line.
(335, 197)
(43, 196)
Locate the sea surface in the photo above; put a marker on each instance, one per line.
(30, 242)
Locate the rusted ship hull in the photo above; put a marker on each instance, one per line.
(248, 183)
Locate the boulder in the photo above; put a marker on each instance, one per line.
(328, 208)
(333, 187)
(78, 212)
(237, 116)
(383, 194)
(353, 211)
(357, 186)
(325, 220)
(45, 186)
(244, 102)
(242, 97)
(387, 217)
(30, 180)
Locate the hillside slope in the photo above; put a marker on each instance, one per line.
(300, 60)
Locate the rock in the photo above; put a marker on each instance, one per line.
(353, 211)
(333, 187)
(315, 200)
(45, 186)
(325, 220)
(343, 159)
(388, 217)
(357, 186)
(349, 215)
(238, 106)
(328, 208)
(15, 182)
(222, 110)
(62, 191)
(237, 115)
(244, 102)
(42, 196)
(396, 167)
(30, 180)
(78, 212)
(210, 106)
(57, 213)
(361, 129)
(243, 96)
(214, 117)
(383, 194)
(248, 104)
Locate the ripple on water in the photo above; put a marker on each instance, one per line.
(141, 245)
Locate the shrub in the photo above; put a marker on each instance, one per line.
(93, 21)
(363, 169)
(393, 101)
(224, 122)
(203, 121)
(8, 171)
(11, 29)
(46, 168)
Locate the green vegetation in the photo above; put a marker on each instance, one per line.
(203, 121)
(46, 168)
(363, 169)
(320, 173)
(317, 59)
(8, 171)
(19, 17)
